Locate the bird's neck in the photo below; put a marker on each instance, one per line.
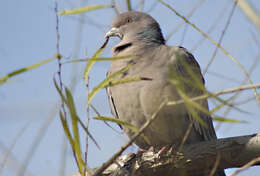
(134, 46)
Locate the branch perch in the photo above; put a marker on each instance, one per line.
(193, 160)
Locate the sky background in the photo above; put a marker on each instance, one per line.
(29, 102)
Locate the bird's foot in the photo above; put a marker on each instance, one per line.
(166, 148)
(140, 150)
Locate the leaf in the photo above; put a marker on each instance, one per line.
(179, 83)
(123, 123)
(75, 130)
(92, 62)
(25, 69)
(111, 83)
(75, 143)
(223, 119)
(242, 68)
(66, 129)
(64, 99)
(105, 83)
(83, 9)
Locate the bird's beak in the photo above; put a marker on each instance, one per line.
(114, 32)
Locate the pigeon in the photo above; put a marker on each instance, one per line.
(167, 74)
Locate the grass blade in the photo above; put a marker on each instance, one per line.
(105, 83)
(75, 130)
(83, 9)
(92, 62)
(223, 119)
(123, 123)
(25, 69)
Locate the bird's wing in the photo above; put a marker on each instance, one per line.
(189, 77)
(112, 104)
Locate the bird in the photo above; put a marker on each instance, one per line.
(167, 73)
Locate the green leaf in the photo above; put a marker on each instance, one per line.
(75, 143)
(83, 9)
(75, 130)
(123, 123)
(64, 99)
(66, 129)
(92, 62)
(223, 119)
(179, 82)
(25, 69)
(105, 83)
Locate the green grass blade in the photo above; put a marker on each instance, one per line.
(190, 106)
(89, 134)
(63, 98)
(105, 83)
(223, 119)
(25, 69)
(129, 6)
(79, 120)
(121, 122)
(83, 9)
(66, 129)
(75, 130)
(92, 62)
(217, 45)
(118, 121)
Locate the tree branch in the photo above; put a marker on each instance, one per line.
(193, 160)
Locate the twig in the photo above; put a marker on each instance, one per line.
(221, 153)
(58, 55)
(250, 12)
(87, 123)
(255, 86)
(212, 172)
(222, 76)
(187, 133)
(168, 36)
(46, 124)
(221, 38)
(233, 97)
(211, 28)
(216, 44)
(250, 163)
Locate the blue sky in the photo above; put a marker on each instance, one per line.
(28, 36)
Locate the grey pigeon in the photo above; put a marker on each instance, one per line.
(167, 72)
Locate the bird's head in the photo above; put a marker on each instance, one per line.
(136, 27)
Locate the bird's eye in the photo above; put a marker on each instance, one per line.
(128, 20)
